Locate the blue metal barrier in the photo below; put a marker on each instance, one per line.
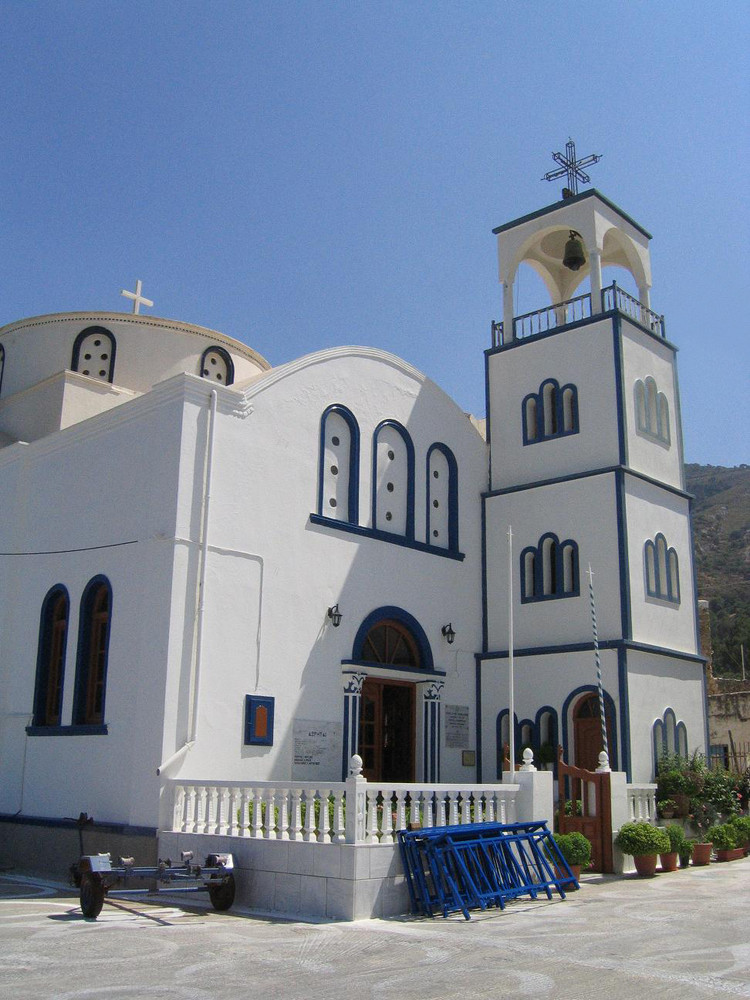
(462, 868)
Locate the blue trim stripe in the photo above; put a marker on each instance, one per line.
(385, 536)
(607, 470)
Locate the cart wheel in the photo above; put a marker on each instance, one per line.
(92, 895)
(222, 894)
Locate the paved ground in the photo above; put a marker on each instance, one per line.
(683, 935)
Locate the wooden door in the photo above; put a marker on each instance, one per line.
(387, 730)
(587, 733)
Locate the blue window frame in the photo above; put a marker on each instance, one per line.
(669, 737)
(442, 497)
(94, 352)
(50, 664)
(217, 365)
(391, 636)
(552, 412)
(338, 465)
(93, 653)
(662, 569)
(651, 411)
(393, 480)
(549, 570)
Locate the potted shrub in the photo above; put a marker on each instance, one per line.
(546, 756)
(576, 849)
(643, 842)
(704, 817)
(685, 853)
(671, 786)
(676, 840)
(742, 826)
(725, 840)
(667, 808)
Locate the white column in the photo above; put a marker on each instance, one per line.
(431, 701)
(595, 263)
(507, 312)
(352, 694)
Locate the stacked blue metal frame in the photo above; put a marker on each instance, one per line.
(462, 868)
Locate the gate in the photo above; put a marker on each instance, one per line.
(590, 811)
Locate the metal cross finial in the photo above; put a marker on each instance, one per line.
(138, 299)
(571, 167)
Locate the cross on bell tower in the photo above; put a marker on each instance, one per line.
(571, 168)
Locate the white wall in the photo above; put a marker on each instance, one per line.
(272, 573)
(584, 357)
(644, 356)
(583, 510)
(659, 622)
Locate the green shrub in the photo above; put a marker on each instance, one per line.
(685, 851)
(642, 838)
(676, 836)
(575, 848)
(724, 837)
(742, 826)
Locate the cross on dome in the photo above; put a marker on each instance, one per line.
(138, 299)
(571, 168)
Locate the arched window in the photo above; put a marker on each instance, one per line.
(442, 498)
(338, 470)
(392, 636)
(546, 730)
(94, 353)
(651, 411)
(393, 480)
(549, 413)
(549, 570)
(391, 642)
(2, 365)
(93, 649)
(50, 664)
(217, 365)
(662, 570)
(669, 737)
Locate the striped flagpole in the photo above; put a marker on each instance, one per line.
(605, 744)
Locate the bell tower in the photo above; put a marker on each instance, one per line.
(586, 465)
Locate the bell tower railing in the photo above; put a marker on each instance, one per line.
(576, 309)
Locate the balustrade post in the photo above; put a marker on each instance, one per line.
(284, 815)
(356, 802)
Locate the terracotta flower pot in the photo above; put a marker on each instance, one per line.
(669, 861)
(645, 864)
(702, 853)
(731, 854)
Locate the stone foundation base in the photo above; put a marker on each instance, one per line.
(304, 881)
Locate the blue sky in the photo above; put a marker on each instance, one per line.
(301, 175)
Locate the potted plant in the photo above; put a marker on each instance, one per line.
(676, 839)
(703, 816)
(575, 849)
(671, 786)
(742, 826)
(685, 853)
(546, 755)
(725, 840)
(667, 808)
(643, 842)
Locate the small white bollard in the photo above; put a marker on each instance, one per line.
(604, 767)
(528, 760)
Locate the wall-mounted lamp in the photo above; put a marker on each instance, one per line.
(448, 632)
(335, 615)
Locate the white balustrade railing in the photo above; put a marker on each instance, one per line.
(317, 812)
(642, 803)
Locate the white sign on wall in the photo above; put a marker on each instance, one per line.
(457, 726)
(317, 750)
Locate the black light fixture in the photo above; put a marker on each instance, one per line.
(335, 615)
(448, 632)
(574, 258)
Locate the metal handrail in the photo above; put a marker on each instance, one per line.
(614, 297)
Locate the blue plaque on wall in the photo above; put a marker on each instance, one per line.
(258, 721)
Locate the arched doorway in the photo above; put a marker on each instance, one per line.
(387, 719)
(587, 731)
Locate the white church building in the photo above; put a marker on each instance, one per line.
(215, 569)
